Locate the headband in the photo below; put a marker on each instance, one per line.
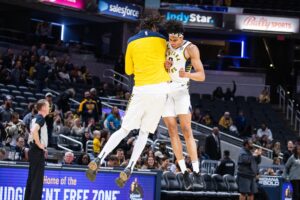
(176, 34)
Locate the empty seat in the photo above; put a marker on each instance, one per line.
(208, 183)
(220, 183)
(28, 94)
(172, 181)
(20, 99)
(4, 91)
(39, 96)
(231, 183)
(31, 99)
(19, 110)
(11, 87)
(16, 92)
(23, 105)
(23, 88)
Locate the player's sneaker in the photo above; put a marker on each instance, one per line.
(123, 177)
(93, 167)
(187, 183)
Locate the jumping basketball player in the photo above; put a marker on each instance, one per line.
(180, 54)
(145, 58)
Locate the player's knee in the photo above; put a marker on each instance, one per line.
(172, 130)
(186, 130)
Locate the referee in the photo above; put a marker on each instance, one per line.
(38, 141)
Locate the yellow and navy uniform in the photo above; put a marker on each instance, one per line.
(145, 57)
(88, 108)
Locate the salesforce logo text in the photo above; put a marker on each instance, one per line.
(190, 18)
(124, 11)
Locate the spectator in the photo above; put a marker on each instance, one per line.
(28, 117)
(213, 145)
(265, 142)
(287, 154)
(21, 150)
(2, 154)
(86, 137)
(77, 129)
(226, 121)
(57, 126)
(264, 130)
(218, 93)
(94, 97)
(121, 156)
(226, 166)
(241, 123)
(6, 109)
(64, 76)
(18, 74)
(163, 149)
(63, 100)
(88, 108)
(84, 159)
(196, 115)
(14, 129)
(41, 74)
(8, 58)
(248, 170)
(68, 158)
(112, 161)
(276, 161)
(96, 143)
(49, 119)
(229, 94)
(292, 171)
(113, 121)
(264, 96)
(42, 51)
(207, 119)
(165, 164)
(201, 154)
(276, 149)
(150, 164)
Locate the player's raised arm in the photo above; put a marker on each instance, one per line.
(193, 53)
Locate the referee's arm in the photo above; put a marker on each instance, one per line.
(128, 61)
(35, 133)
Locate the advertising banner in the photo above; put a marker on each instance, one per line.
(265, 23)
(73, 185)
(119, 9)
(194, 18)
(79, 4)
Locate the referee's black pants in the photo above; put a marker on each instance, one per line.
(34, 186)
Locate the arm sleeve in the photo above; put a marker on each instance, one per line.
(128, 61)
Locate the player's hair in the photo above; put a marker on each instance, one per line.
(150, 21)
(174, 26)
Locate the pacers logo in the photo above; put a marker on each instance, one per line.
(136, 191)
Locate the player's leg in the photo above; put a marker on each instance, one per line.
(185, 124)
(149, 122)
(131, 121)
(183, 110)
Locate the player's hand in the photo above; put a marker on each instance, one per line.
(46, 153)
(183, 73)
(168, 64)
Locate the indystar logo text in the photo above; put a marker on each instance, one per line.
(190, 18)
(124, 11)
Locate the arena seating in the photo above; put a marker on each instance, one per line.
(204, 187)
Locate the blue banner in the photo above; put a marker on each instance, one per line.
(119, 9)
(73, 185)
(194, 18)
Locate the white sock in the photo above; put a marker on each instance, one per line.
(112, 143)
(182, 165)
(195, 164)
(138, 148)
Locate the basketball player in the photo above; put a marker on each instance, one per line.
(181, 55)
(145, 58)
